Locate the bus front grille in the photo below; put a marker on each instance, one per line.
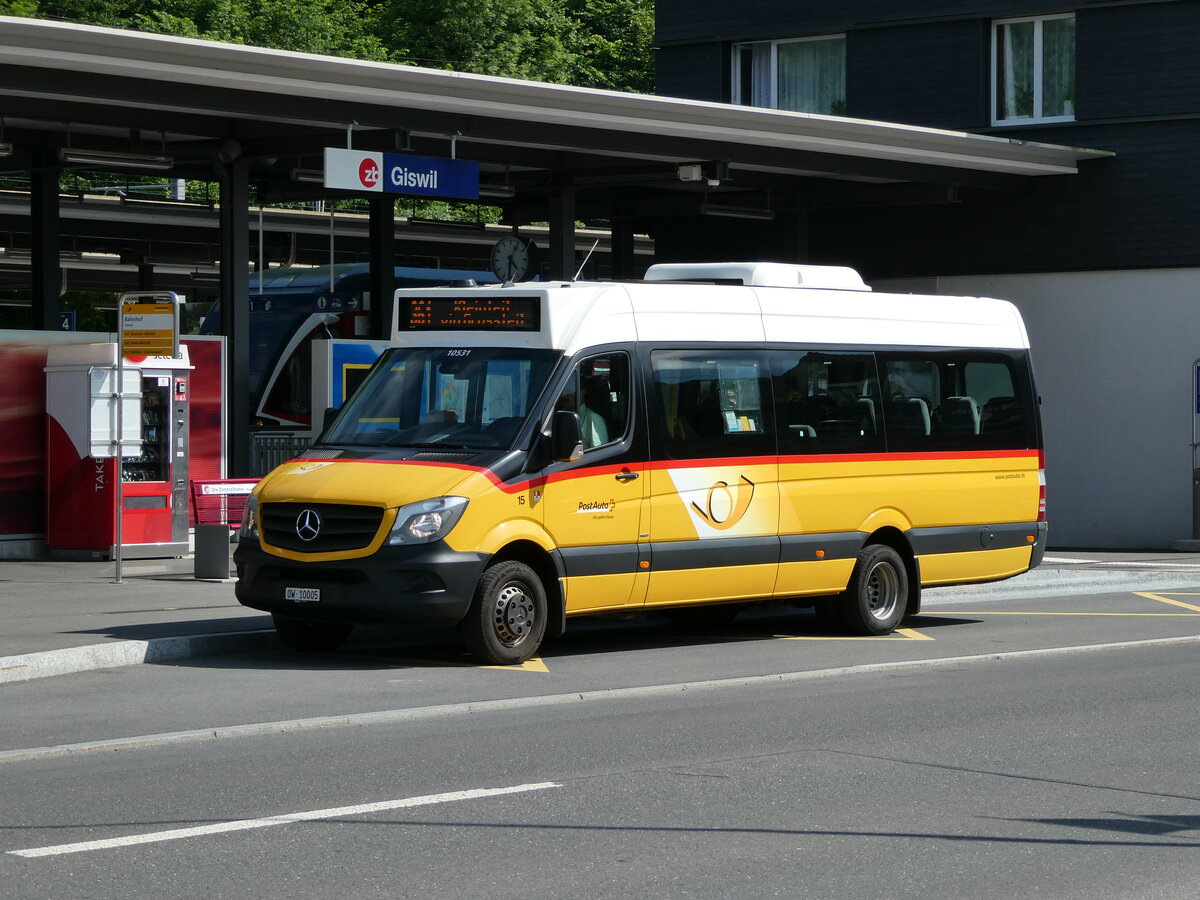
(319, 527)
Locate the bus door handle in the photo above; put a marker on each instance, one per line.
(626, 476)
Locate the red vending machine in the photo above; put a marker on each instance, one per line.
(81, 445)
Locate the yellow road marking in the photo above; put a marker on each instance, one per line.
(900, 634)
(1163, 599)
(533, 664)
(1195, 610)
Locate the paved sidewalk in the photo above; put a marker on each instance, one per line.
(62, 617)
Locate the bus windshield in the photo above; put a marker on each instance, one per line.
(450, 398)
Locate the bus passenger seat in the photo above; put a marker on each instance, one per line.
(909, 415)
(957, 415)
(1001, 414)
(865, 408)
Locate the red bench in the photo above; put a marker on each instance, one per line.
(221, 502)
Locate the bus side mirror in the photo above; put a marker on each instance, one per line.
(566, 437)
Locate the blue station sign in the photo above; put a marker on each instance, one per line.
(401, 173)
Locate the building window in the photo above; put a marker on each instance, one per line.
(805, 75)
(1034, 65)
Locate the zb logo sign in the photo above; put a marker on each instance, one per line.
(368, 173)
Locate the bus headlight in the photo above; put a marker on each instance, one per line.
(427, 520)
(249, 529)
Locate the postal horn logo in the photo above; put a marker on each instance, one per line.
(725, 506)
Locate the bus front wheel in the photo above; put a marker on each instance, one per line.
(507, 618)
(874, 600)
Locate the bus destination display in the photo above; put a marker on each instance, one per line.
(473, 313)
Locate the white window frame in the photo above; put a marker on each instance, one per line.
(745, 46)
(1038, 63)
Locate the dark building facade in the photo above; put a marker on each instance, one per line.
(1120, 76)
(1104, 264)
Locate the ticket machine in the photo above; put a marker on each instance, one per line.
(82, 398)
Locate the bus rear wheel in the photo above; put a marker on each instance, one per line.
(507, 618)
(874, 601)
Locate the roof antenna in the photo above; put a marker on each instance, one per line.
(585, 259)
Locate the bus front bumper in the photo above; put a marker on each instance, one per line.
(428, 584)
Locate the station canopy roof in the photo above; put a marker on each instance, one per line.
(198, 102)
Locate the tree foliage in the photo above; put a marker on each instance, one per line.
(613, 41)
(332, 27)
(513, 38)
(595, 43)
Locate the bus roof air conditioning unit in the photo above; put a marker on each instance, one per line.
(837, 278)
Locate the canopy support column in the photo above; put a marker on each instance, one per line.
(562, 233)
(235, 312)
(46, 268)
(383, 266)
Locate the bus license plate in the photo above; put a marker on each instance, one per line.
(302, 595)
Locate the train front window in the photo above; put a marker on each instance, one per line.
(455, 398)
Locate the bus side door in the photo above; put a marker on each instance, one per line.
(593, 506)
(714, 501)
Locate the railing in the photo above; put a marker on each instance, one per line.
(270, 450)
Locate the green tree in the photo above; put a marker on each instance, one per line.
(24, 8)
(596, 43)
(331, 27)
(514, 38)
(613, 44)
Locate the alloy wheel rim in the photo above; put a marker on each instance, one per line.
(883, 591)
(514, 614)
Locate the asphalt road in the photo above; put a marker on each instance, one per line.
(970, 756)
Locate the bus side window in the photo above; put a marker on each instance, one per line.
(910, 397)
(955, 400)
(599, 392)
(712, 403)
(827, 401)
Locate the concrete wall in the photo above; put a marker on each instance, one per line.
(1113, 354)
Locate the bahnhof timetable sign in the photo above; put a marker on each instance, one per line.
(401, 173)
(150, 324)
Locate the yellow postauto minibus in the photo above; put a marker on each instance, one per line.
(716, 434)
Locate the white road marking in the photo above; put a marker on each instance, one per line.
(479, 707)
(1134, 564)
(287, 819)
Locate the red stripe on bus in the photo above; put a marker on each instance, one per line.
(715, 462)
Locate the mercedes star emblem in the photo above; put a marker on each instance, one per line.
(308, 525)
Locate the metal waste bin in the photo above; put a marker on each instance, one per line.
(212, 551)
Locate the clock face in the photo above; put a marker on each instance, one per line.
(510, 258)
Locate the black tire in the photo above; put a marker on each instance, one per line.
(507, 618)
(877, 595)
(308, 636)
